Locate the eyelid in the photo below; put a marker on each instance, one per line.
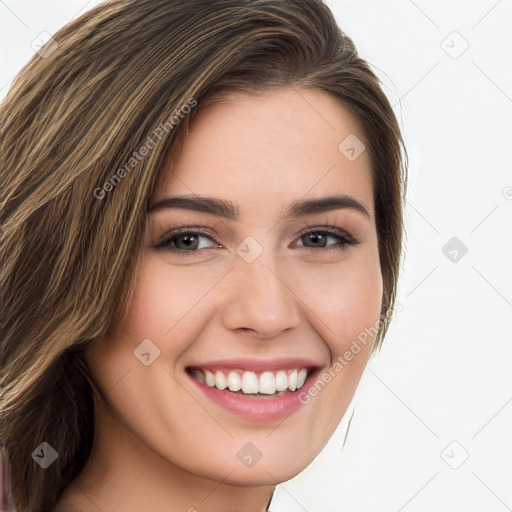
(195, 230)
(329, 229)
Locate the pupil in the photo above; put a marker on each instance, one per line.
(188, 240)
(315, 237)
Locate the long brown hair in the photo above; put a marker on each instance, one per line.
(73, 221)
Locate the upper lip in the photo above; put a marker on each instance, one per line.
(257, 365)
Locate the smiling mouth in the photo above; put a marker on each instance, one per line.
(267, 384)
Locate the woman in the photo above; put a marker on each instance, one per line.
(202, 225)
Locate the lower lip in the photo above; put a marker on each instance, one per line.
(255, 409)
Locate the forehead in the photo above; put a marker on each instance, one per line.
(280, 145)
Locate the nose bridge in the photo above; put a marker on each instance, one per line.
(259, 298)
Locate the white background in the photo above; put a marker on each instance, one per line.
(440, 388)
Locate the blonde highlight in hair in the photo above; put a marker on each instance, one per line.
(72, 120)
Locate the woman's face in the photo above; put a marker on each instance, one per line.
(266, 284)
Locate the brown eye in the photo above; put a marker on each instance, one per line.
(186, 241)
(319, 239)
(315, 240)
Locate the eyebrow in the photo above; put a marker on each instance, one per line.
(230, 211)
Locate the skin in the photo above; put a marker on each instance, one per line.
(160, 444)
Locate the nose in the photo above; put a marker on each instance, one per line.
(260, 299)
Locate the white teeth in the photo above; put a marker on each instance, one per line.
(221, 382)
(267, 383)
(209, 378)
(301, 378)
(281, 381)
(292, 381)
(249, 383)
(234, 381)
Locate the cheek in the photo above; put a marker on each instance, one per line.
(163, 307)
(347, 301)
(346, 298)
(166, 298)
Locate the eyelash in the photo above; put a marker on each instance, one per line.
(343, 238)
